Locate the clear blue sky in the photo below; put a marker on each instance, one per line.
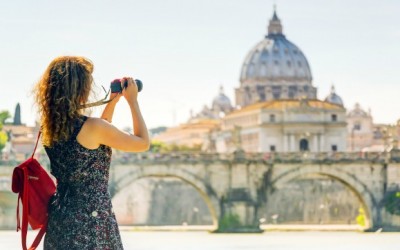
(184, 49)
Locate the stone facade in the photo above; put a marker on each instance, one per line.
(284, 126)
(242, 186)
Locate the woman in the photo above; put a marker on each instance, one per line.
(79, 148)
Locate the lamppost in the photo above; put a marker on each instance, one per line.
(386, 136)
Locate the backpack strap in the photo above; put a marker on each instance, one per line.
(18, 217)
(37, 141)
(24, 229)
(25, 207)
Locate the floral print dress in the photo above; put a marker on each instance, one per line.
(80, 213)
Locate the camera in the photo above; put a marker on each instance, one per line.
(117, 85)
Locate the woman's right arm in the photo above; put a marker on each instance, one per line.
(107, 134)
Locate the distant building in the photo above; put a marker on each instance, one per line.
(193, 133)
(21, 138)
(284, 126)
(199, 129)
(276, 105)
(360, 129)
(274, 69)
(366, 136)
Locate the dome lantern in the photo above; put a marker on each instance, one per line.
(275, 25)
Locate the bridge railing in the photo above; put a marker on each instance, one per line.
(325, 157)
(276, 157)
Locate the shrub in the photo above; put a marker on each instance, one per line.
(392, 202)
(229, 221)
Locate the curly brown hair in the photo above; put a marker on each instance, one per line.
(63, 88)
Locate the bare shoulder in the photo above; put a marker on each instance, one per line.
(95, 124)
(100, 132)
(92, 127)
(98, 127)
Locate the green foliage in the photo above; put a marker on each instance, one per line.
(392, 202)
(161, 147)
(3, 139)
(361, 218)
(184, 148)
(4, 115)
(230, 221)
(157, 146)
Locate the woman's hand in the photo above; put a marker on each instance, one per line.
(131, 91)
(115, 97)
(107, 134)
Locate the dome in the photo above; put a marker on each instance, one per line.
(358, 112)
(275, 58)
(221, 102)
(334, 98)
(274, 69)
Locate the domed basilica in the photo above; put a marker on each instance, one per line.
(274, 69)
(276, 109)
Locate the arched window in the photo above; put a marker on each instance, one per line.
(304, 145)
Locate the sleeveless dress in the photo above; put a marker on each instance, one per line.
(80, 213)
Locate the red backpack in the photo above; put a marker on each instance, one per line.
(34, 187)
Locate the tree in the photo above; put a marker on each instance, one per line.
(3, 139)
(392, 201)
(4, 115)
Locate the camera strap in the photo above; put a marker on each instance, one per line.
(98, 103)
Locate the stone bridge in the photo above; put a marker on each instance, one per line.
(239, 184)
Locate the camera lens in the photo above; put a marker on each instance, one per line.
(116, 87)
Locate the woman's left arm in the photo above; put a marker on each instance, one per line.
(109, 109)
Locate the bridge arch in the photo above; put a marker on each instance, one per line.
(350, 181)
(200, 185)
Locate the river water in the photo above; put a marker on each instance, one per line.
(10, 240)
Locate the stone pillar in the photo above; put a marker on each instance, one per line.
(286, 143)
(239, 217)
(285, 92)
(268, 93)
(323, 148)
(292, 143)
(238, 97)
(314, 147)
(319, 143)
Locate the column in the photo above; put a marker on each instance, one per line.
(315, 143)
(319, 142)
(285, 143)
(323, 148)
(292, 143)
